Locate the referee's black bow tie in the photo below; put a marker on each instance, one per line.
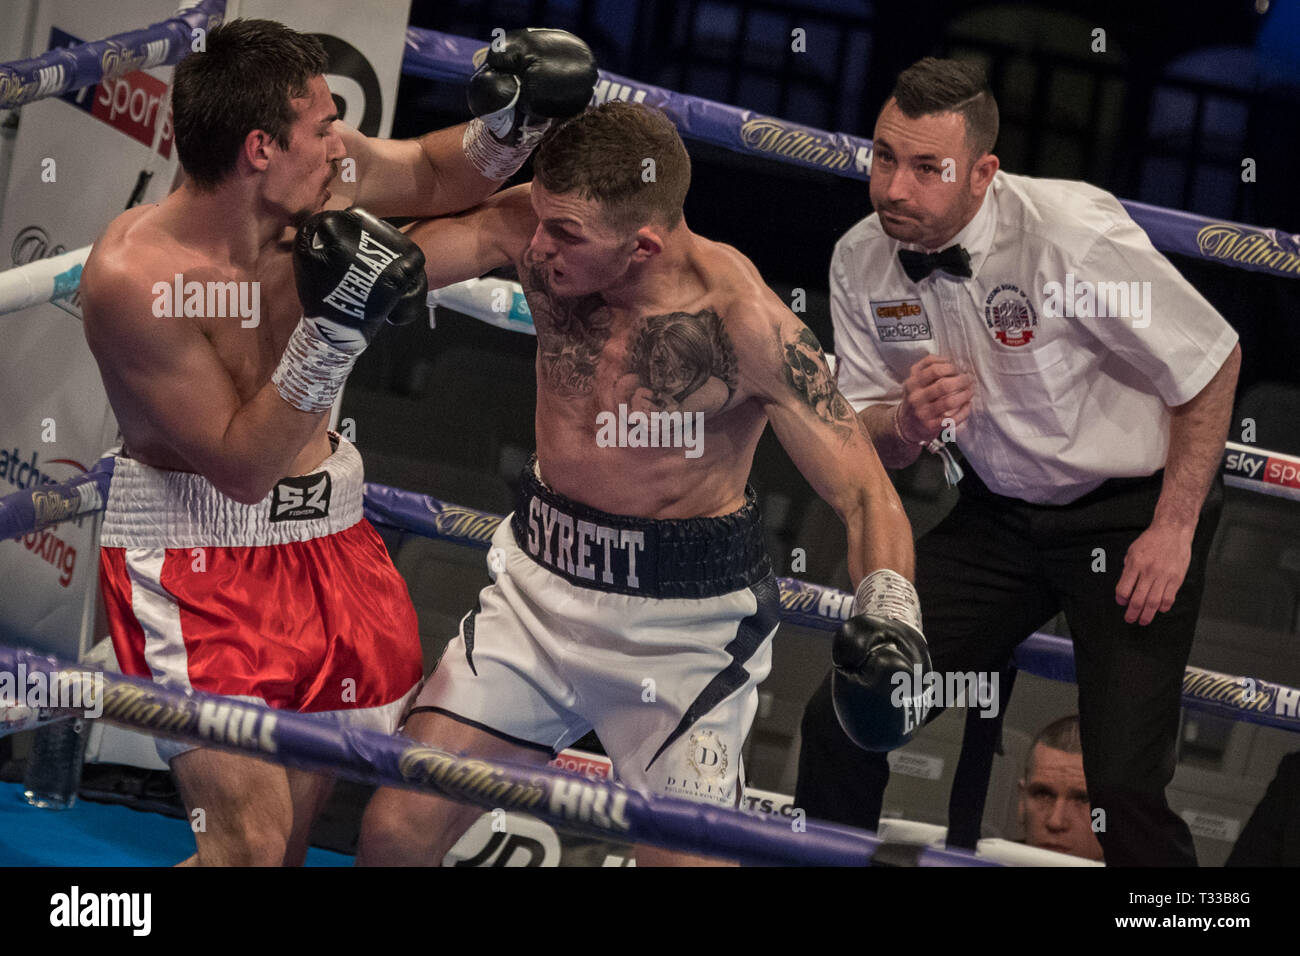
(954, 260)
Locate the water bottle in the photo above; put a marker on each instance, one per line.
(53, 772)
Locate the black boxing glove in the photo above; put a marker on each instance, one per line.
(529, 78)
(879, 654)
(353, 272)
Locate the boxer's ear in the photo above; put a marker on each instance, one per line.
(256, 151)
(649, 243)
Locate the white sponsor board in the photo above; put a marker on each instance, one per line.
(1212, 826)
(365, 43)
(75, 165)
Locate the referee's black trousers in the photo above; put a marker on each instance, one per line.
(995, 570)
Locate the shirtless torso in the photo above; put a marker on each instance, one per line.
(145, 243)
(696, 351)
(692, 329)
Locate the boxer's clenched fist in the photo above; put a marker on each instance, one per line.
(529, 79)
(533, 77)
(353, 273)
(934, 390)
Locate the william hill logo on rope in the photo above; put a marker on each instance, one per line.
(764, 134)
(1234, 243)
(128, 102)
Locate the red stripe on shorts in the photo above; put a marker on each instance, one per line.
(318, 625)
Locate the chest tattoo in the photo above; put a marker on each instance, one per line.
(571, 334)
(681, 361)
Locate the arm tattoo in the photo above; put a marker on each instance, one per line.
(807, 373)
(571, 334)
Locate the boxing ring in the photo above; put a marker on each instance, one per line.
(580, 804)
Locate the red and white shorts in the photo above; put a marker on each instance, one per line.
(292, 602)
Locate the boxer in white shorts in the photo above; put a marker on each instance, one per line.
(658, 642)
(631, 591)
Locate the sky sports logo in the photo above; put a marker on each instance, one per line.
(1265, 468)
(128, 103)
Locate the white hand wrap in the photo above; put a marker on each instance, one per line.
(489, 155)
(886, 593)
(316, 363)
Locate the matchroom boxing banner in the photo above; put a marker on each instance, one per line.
(76, 162)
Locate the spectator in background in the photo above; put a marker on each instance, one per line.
(1054, 810)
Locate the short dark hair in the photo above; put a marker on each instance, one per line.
(951, 86)
(1060, 735)
(600, 154)
(242, 80)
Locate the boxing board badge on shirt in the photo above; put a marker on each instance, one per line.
(301, 498)
(901, 320)
(1009, 316)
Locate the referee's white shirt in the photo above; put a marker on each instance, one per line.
(1068, 393)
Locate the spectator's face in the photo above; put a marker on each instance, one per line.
(1054, 805)
(921, 183)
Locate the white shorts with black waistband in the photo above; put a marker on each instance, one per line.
(668, 684)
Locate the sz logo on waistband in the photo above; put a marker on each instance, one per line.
(301, 498)
(901, 320)
(583, 548)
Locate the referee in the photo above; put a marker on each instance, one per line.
(1089, 388)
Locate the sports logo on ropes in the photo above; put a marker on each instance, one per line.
(127, 99)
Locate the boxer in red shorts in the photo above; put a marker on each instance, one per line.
(219, 572)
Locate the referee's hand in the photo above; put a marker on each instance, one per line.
(934, 391)
(1154, 568)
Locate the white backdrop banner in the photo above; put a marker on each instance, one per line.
(365, 43)
(76, 162)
